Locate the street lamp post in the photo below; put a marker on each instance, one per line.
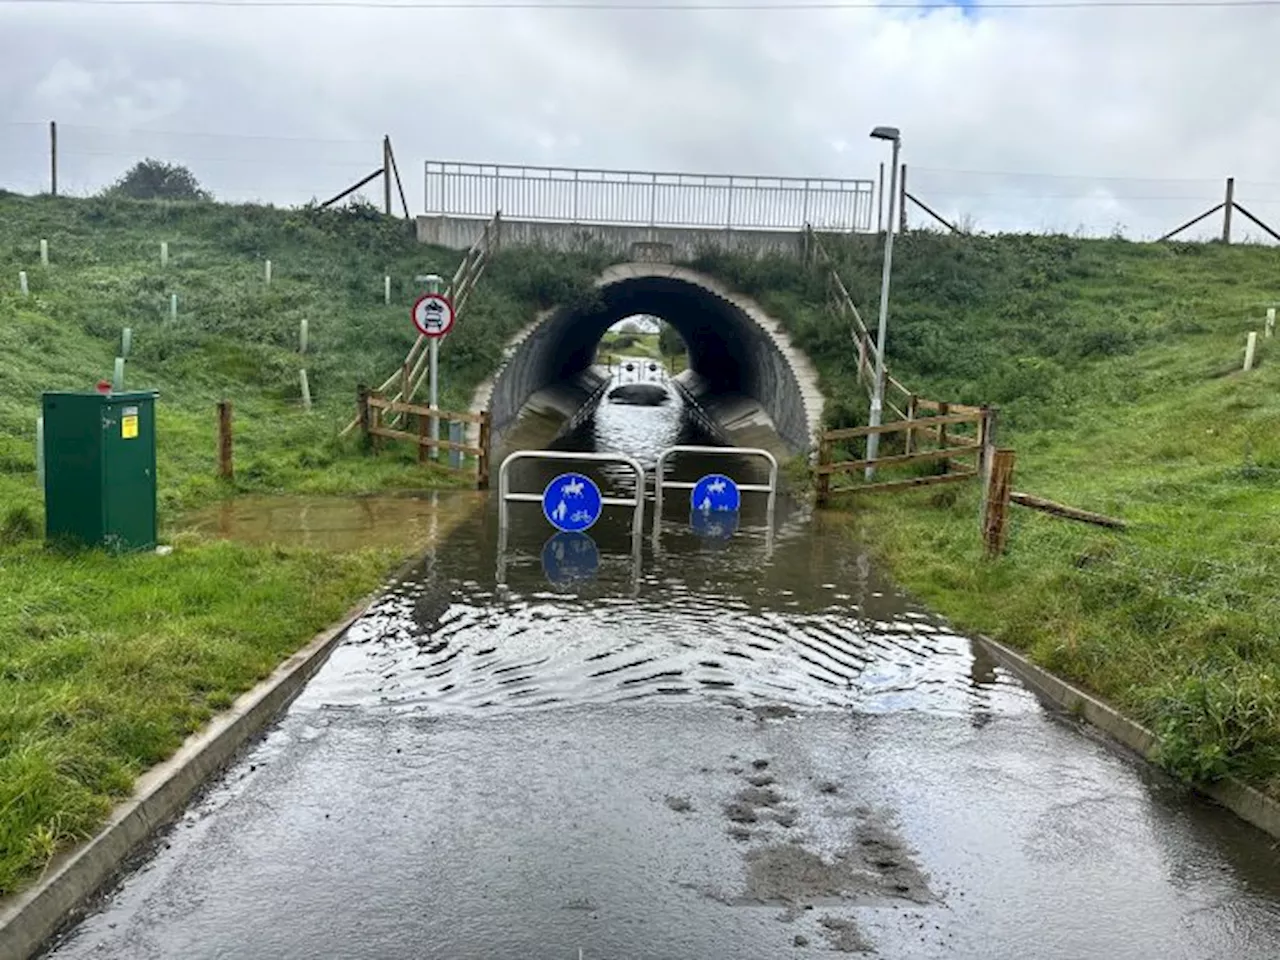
(877, 395)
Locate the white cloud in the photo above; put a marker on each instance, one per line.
(1150, 94)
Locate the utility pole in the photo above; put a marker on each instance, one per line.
(877, 395)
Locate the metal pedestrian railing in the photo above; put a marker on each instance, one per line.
(661, 483)
(507, 496)
(636, 198)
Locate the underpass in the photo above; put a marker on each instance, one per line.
(742, 366)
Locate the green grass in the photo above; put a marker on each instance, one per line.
(1115, 367)
(107, 663)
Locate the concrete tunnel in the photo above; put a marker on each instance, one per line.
(741, 362)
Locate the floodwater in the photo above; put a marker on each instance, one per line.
(694, 745)
(410, 521)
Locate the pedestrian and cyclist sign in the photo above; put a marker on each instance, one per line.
(715, 493)
(572, 502)
(433, 314)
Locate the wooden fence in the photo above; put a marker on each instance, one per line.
(372, 406)
(413, 372)
(955, 437)
(896, 395)
(958, 439)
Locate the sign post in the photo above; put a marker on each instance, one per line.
(433, 315)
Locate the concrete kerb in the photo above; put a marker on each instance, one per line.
(1244, 801)
(31, 917)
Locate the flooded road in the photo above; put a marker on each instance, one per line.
(741, 747)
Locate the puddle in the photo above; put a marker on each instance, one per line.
(411, 522)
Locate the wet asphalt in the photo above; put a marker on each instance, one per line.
(738, 748)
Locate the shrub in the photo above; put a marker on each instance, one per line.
(156, 180)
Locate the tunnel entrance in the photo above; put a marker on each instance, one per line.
(741, 366)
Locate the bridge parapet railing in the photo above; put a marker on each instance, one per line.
(651, 199)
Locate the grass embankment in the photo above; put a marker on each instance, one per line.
(107, 663)
(1116, 367)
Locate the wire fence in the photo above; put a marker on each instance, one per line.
(1133, 208)
(235, 168)
(286, 170)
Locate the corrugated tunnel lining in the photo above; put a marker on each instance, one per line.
(728, 349)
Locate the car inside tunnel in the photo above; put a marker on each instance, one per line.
(734, 350)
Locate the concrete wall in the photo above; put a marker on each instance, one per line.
(735, 348)
(637, 244)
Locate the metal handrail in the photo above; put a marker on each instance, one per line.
(667, 199)
(660, 482)
(583, 412)
(699, 413)
(506, 496)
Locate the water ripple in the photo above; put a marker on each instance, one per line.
(672, 640)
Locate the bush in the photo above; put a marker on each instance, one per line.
(156, 180)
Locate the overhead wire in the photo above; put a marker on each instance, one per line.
(667, 6)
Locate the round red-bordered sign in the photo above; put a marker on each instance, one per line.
(433, 314)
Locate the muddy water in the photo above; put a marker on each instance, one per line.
(413, 522)
(742, 747)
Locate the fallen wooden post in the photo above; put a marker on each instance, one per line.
(1067, 513)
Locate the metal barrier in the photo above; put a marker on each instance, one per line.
(634, 198)
(506, 496)
(660, 482)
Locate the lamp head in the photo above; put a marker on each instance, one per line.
(886, 133)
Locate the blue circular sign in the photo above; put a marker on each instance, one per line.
(567, 557)
(714, 525)
(715, 493)
(571, 502)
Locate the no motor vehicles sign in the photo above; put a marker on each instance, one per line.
(433, 314)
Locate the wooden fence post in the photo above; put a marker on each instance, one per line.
(482, 462)
(824, 479)
(53, 158)
(944, 409)
(911, 415)
(362, 405)
(999, 487)
(226, 469)
(1227, 208)
(423, 437)
(902, 201)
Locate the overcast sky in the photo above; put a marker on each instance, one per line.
(1161, 96)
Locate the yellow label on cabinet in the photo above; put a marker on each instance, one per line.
(128, 427)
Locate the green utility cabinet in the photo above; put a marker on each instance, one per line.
(100, 468)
